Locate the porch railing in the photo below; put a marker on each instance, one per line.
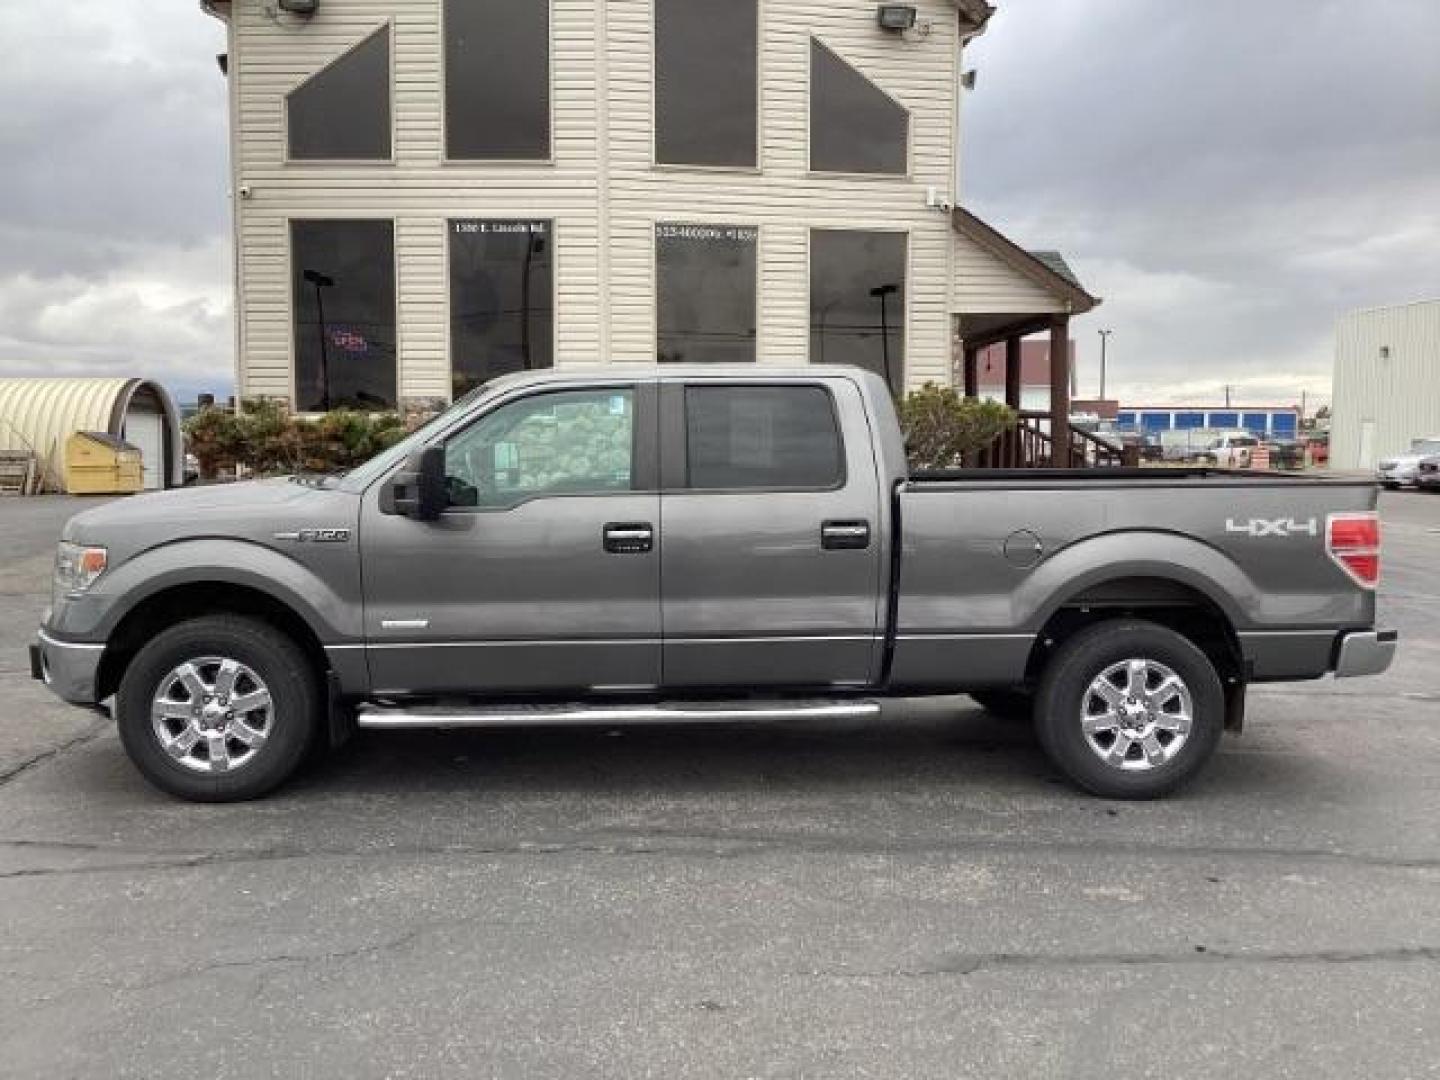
(1029, 445)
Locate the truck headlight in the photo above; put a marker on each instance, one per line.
(77, 567)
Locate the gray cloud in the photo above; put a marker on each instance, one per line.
(1231, 176)
(113, 178)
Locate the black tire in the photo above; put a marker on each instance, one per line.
(1065, 690)
(1015, 706)
(291, 722)
(1391, 487)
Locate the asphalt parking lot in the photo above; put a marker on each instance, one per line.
(914, 897)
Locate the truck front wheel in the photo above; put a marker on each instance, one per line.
(218, 709)
(1129, 709)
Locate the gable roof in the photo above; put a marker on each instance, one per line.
(1047, 270)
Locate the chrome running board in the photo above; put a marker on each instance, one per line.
(679, 712)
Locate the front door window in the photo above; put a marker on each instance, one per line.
(570, 442)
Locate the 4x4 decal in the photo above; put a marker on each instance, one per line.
(1258, 527)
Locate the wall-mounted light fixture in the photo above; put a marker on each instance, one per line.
(300, 7)
(896, 17)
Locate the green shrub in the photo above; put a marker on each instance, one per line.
(942, 428)
(268, 440)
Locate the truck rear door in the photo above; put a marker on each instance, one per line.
(771, 526)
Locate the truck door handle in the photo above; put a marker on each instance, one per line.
(842, 535)
(629, 537)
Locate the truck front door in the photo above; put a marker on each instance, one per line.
(543, 575)
(771, 569)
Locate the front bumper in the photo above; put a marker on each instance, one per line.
(1365, 652)
(1402, 477)
(69, 668)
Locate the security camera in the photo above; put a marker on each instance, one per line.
(245, 191)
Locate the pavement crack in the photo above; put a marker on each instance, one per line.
(975, 963)
(300, 959)
(713, 844)
(98, 727)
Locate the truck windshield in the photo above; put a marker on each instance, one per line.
(359, 478)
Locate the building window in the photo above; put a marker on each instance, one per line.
(705, 82)
(342, 112)
(855, 126)
(497, 80)
(857, 301)
(343, 297)
(501, 300)
(705, 292)
(761, 437)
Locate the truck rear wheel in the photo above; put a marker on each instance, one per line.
(1129, 709)
(218, 709)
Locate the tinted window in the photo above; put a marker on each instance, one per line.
(705, 82)
(565, 443)
(342, 113)
(501, 307)
(705, 293)
(857, 301)
(343, 297)
(854, 125)
(761, 437)
(497, 79)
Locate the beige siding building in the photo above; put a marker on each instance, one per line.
(1387, 383)
(431, 192)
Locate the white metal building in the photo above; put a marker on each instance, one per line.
(431, 192)
(38, 416)
(1387, 382)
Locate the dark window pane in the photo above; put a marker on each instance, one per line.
(857, 301)
(501, 308)
(342, 113)
(497, 79)
(705, 286)
(343, 275)
(761, 437)
(705, 75)
(854, 125)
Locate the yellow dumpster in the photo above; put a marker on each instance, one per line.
(97, 463)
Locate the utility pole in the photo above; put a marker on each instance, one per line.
(1228, 388)
(1104, 340)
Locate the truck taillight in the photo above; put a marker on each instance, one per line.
(1353, 541)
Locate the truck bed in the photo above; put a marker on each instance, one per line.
(1161, 476)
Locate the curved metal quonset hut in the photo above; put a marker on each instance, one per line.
(39, 415)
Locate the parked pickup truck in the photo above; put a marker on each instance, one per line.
(683, 544)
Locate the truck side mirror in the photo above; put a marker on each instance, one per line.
(418, 490)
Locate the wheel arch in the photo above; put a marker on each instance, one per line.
(1167, 600)
(178, 601)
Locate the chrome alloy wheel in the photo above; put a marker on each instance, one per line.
(212, 714)
(1137, 714)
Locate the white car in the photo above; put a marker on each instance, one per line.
(1401, 470)
(1231, 450)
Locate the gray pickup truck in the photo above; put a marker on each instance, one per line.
(685, 544)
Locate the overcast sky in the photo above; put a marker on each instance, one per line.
(1229, 175)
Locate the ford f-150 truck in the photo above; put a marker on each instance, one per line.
(691, 544)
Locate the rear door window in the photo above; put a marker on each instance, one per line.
(771, 437)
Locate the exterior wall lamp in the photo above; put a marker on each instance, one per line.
(300, 7)
(895, 17)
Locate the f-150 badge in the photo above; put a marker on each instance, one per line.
(1257, 527)
(316, 536)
